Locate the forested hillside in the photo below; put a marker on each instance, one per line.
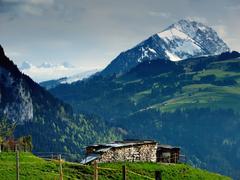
(53, 125)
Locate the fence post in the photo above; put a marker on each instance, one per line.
(124, 172)
(158, 175)
(60, 168)
(95, 170)
(17, 164)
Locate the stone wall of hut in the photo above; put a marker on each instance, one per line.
(135, 153)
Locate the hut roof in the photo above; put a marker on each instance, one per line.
(90, 158)
(166, 146)
(125, 143)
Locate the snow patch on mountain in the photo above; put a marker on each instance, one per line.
(146, 52)
(180, 45)
(171, 34)
(152, 50)
(68, 80)
(78, 77)
(173, 57)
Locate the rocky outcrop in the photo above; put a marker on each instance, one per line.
(15, 99)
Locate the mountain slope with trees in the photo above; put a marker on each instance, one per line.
(52, 124)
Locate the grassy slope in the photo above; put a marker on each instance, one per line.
(201, 95)
(32, 167)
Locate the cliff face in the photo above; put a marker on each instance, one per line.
(15, 99)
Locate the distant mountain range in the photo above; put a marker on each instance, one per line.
(68, 80)
(182, 40)
(55, 73)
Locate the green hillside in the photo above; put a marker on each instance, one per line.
(32, 167)
(192, 103)
(167, 86)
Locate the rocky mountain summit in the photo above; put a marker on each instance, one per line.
(182, 40)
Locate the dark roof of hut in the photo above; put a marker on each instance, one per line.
(166, 146)
(125, 143)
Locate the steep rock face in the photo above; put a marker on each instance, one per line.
(15, 100)
(20, 107)
(183, 40)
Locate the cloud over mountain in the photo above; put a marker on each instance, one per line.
(47, 71)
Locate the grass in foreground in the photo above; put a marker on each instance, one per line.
(32, 167)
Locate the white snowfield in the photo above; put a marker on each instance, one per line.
(183, 40)
(182, 43)
(172, 56)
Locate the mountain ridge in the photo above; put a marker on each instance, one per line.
(182, 40)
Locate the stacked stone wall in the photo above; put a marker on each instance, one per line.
(135, 153)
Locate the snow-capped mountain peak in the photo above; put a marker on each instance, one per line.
(190, 38)
(180, 45)
(182, 40)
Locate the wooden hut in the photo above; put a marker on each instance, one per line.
(168, 153)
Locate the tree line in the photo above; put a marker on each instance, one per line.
(7, 140)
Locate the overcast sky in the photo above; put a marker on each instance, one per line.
(90, 33)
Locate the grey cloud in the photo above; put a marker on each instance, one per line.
(28, 7)
(30, 2)
(198, 19)
(234, 8)
(160, 14)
